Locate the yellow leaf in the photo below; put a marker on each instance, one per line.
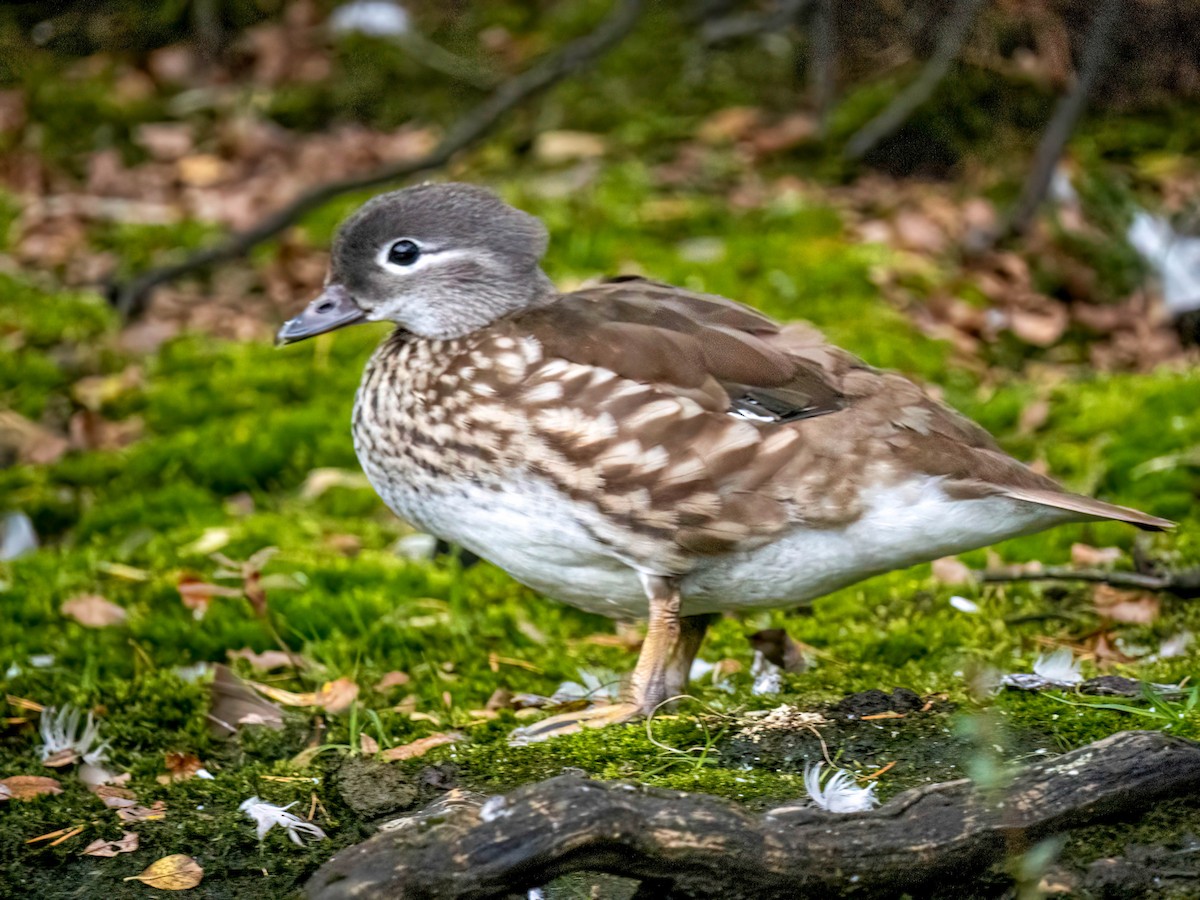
(176, 872)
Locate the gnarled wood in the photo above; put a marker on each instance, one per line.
(700, 847)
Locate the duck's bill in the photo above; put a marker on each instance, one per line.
(332, 310)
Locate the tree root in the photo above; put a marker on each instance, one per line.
(696, 846)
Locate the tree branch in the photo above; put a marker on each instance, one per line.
(1184, 584)
(1066, 114)
(694, 846)
(950, 43)
(131, 297)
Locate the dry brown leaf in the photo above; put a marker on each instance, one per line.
(1042, 329)
(93, 391)
(780, 648)
(391, 680)
(115, 797)
(180, 767)
(265, 661)
(28, 441)
(318, 481)
(334, 697)
(1132, 607)
(345, 544)
(26, 787)
(951, 570)
(93, 611)
(143, 813)
(421, 746)
(197, 595)
(176, 872)
(728, 125)
(790, 131)
(127, 843)
(554, 147)
(367, 745)
(68, 756)
(916, 231)
(1086, 555)
(91, 431)
(1033, 417)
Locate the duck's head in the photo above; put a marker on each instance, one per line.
(438, 260)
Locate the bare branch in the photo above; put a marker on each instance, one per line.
(950, 43)
(1182, 584)
(131, 298)
(689, 845)
(742, 25)
(823, 66)
(1066, 114)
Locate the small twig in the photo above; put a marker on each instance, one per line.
(131, 297)
(950, 43)
(1066, 114)
(823, 62)
(742, 25)
(1183, 584)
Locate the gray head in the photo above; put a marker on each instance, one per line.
(439, 260)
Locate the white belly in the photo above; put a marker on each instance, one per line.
(536, 536)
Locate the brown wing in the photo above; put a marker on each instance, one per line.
(655, 333)
(695, 425)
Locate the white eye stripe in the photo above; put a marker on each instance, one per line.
(428, 257)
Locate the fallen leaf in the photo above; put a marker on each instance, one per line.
(421, 746)
(265, 661)
(950, 570)
(1041, 329)
(91, 431)
(334, 696)
(180, 767)
(916, 231)
(93, 391)
(127, 843)
(368, 746)
(391, 680)
(143, 813)
(1132, 607)
(780, 648)
(68, 756)
(171, 873)
(115, 797)
(26, 787)
(728, 125)
(345, 544)
(1033, 417)
(554, 147)
(210, 541)
(197, 595)
(337, 696)
(93, 611)
(500, 699)
(1085, 555)
(28, 441)
(318, 481)
(789, 132)
(120, 570)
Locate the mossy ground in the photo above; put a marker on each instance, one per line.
(233, 430)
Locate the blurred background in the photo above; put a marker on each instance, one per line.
(1000, 199)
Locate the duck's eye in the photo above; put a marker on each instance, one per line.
(403, 253)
